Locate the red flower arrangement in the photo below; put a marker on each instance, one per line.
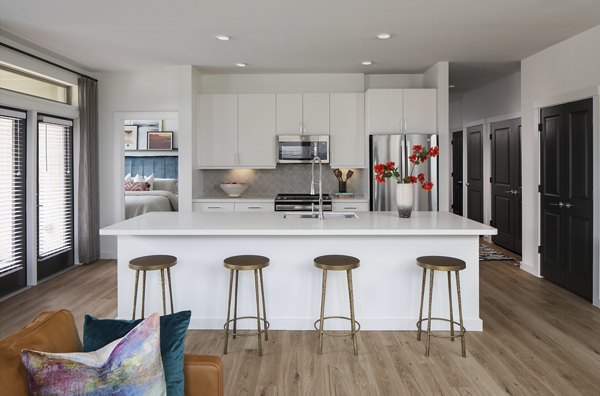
(418, 156)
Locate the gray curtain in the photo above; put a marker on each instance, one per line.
(88, 216)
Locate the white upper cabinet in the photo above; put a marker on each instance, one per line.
(289, 114)
(401, 111)
(256, 130)
(217, 130)
(315, 120)
(303, 114)
(384, 111)
(347, 135)
(420, 110)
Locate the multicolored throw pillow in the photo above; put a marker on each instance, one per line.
(137, 186)
(128, 366)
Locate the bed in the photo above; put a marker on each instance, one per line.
(162, 197)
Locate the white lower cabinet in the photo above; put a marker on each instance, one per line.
(228, 206)
(350, 207)
(254, 207)
(213, 207)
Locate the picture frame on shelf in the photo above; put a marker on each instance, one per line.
(130, 137)
(143, 127)
(160, 140)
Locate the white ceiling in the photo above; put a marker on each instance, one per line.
(298, 36)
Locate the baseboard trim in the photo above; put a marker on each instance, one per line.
(529, 268)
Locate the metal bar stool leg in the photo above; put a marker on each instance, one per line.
(137, 278)
(262, 293)
(258, 313)
(170, 288)
(143, 294)
(323, 292)
(451, 315)
(164, 297)
(237, 274)
(428, 344)
(352, 321)
(228, 313)
(421, 307)
(462, 338)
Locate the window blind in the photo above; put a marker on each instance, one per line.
(12, 191)
(55, 187)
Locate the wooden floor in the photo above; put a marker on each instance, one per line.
(537, 339)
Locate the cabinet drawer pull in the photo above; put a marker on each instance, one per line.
(350, 207)
(254, 207)
(214, 207)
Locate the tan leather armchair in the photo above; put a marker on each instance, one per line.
(56, 332)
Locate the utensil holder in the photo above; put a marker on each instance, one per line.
(342, 186)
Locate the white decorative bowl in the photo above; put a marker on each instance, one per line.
(233, 190)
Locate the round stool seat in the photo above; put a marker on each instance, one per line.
(441, 263)
(152, 263)
(246, 262)
(337, 262)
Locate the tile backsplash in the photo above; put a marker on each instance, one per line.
(286, 178)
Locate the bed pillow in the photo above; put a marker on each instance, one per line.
(99, 332)
(128, 178)
(130, 365)
(137, 186)
(150, 181)
(138, 179)
(165, 185)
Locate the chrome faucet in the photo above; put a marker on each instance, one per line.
(312, 184)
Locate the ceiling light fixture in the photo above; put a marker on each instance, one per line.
(366, 63)
(241, 64)
(222, 37)
(384, 36)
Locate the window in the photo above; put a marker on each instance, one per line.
(30, 84)
(12, 200)
(55, 195)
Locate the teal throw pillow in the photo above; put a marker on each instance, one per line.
(100, 332)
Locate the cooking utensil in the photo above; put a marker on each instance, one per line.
(338, 174)
(349, 174)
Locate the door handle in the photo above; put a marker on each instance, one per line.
(568, 205)
(560, 204)
(509, 192)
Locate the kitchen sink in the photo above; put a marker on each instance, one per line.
(315, 215)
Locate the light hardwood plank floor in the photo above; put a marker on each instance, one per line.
(537, 339)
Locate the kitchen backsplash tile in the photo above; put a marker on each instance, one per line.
(286, 178)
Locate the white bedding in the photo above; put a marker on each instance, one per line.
(140, 202)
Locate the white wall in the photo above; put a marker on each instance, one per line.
(144, 91)
(437, 76)
(270, 83)
(455, 115)
(390, 81)
(565, 72)
(495, 99)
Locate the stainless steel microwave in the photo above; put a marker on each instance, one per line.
(297, 149)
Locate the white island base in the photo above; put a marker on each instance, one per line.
(387, 285)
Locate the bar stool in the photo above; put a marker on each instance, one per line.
(448, 265)
(246, 263)
(337, 263)
(152, 263)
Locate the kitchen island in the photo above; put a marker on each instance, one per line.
(387, 285)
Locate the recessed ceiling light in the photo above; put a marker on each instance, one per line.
(366, 63)
(222, 37)
(384, 36)
(241, 64)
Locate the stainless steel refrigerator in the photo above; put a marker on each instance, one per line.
(397, 148)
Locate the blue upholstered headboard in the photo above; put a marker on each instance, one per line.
(162, 167)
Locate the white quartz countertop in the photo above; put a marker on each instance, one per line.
(223, 198)
(274, 223)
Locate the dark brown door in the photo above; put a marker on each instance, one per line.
(506, 183)
(475, 173)
(567, 196)
(457, 173)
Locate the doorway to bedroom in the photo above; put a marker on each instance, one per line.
(150, 165)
